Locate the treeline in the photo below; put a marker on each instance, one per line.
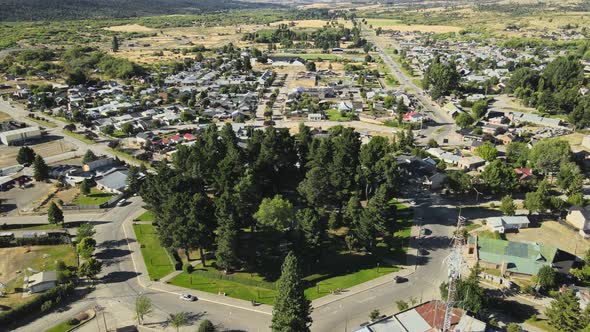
(555, 89)
(37, 10)
(279, 191)
(75, 64)
(327, 37)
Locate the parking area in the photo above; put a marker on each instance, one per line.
(25, 199)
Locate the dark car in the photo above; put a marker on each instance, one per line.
(399, 280)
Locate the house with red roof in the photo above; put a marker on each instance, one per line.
(176, 139)
(188, 137)
(525, 174)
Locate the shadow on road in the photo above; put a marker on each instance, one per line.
(118, 276)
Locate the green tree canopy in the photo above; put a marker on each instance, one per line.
(275, 214)
(54, 214)
(40, 169)
(487, 151)
(25, 156)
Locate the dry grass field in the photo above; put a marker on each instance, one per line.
(130, 28)
(15, 261)
(48, 149)
(5, 117)
(311, 23)
(386, 24)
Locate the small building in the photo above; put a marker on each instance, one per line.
(579, 217)
(19, 135)
(99, 163)
(314, 117)
(435, 182)
(505, 223)
(40, 282)
(470, 163)
(114, 182)
(524, 174)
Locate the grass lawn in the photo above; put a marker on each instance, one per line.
(62, 327)
(490, 234)
(96, 197)
(471, 227)
(334, 115)
(79, 137)
(156, 258)
(146, 216)
(243, 291)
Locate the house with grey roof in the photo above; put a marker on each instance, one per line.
(505, 223)
(40, 282)
(114, 182)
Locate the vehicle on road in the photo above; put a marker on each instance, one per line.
(188, 297)
(121, 202)
(399, 280)
(487, 197)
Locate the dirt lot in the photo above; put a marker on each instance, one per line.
(47, 149)
(27, 199)
(555, 234)
(16, 260)
(5, 117)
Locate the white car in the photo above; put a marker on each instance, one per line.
(121, 202)
(188, 297)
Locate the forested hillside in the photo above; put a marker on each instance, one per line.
(36, 10)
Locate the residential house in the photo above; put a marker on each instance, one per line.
(426, 317)
(524, 173)
(519, 259)
(435, 181)
(505, 223)
(40, 282)
(114, 182)
(579, 217)
(471, 162)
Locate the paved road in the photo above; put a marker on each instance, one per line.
(119, 288)
(436, 113)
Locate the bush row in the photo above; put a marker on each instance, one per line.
(33, 241)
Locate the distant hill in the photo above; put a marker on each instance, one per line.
(38, 10)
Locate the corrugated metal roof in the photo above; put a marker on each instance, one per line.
(520, 257)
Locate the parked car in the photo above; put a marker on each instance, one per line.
(188, 297)
(121, 202)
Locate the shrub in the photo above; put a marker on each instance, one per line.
(188, 268)
(73, 321)
(206, 326)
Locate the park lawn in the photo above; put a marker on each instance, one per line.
(230, 288)
(334, 115)
(146, 216)
(326, 286)
(156, 258)
(96, 197)
(62, 327)
(79, 137)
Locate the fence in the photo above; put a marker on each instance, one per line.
(249, 282)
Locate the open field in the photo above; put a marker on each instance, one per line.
(5, 117)
(552, 233)
(16, 260)
(146, 216)
(386, 24)
(156, 258)
(47, 149)
(96, 197)
(129, 28)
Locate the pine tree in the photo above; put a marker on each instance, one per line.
(26, 156)
(292, 311)
(115, 44)
(88, 157)
(85, 187)
(41, 170)
(54, 214)
(227, 233)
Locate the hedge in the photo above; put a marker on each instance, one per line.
(10, 317)
(33, 241)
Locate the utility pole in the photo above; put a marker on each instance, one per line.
(455, 263)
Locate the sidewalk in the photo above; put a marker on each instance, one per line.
(144, 280)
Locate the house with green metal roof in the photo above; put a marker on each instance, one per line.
(517, 258)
